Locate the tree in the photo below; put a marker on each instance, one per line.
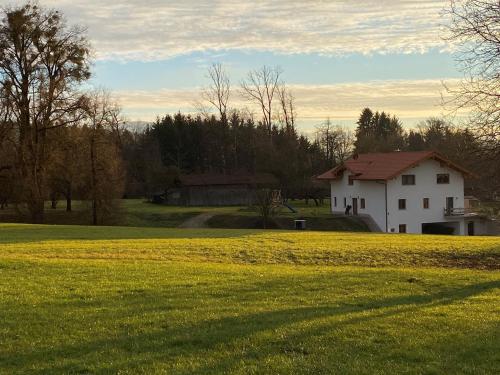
(378, 132)
(365, 122)
(266, 205)
(260, 87)
(287, 111)
(7, 174)
(66, 168)
(104, 167)
(475, 28)
(336, 142)
(415, 141)
(42, 64)
(218, 91)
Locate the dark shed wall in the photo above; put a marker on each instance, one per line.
(219, 196)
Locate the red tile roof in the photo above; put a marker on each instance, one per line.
(385, 166)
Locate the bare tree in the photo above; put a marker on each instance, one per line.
(218, 91)
(105, 170)
(336, 141)
(287, 112)
(42, 63)
(260, 87)
(6, 124)
(266, 205)
(475, 27)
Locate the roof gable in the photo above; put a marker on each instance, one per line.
(385, 166)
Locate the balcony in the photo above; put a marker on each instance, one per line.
(459, 212)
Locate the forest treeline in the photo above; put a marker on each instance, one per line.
(60, 141)
(196, 144)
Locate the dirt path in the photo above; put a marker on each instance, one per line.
(197, 221)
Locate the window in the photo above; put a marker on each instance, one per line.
(351, 181)
(408, 179)
(402, 228)
(402, 204)
(334, 201)
(363, 203)
(345, 202)
(443, 178)
(426, 203)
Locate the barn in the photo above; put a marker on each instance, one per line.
(209, 189)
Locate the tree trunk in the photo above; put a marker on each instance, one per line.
(94, 212)
(36, 200)
(68, 199)
(93, 181)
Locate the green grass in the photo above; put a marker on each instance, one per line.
(130, 300)
(140, 213)
(313, 222)
(128, 212)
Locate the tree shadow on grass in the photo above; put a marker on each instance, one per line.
(166, 345)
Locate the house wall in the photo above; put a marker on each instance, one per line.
(425, 187)
(414, 215)
(373, 193)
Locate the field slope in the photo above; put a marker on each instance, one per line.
(148, 300)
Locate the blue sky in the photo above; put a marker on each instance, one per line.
(189, 71)
(337, 56)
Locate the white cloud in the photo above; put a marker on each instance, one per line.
(160, 29)
(408, 99)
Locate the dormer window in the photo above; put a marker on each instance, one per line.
(351, 180)
(408, 179)
(443, 178)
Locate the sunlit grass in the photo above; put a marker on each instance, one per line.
(148, 300)
(249, 246)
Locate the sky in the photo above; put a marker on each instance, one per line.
(337, 56)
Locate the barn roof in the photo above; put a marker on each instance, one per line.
(211, 179)
(387, 165)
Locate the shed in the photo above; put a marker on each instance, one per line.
(211, 189)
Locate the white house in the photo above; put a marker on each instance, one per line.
(404, 192)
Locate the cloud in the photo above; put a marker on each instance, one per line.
(161, 29)
(408, 99)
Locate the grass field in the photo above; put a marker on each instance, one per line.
(91, 300)
(140, 213)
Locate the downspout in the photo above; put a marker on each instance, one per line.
(386, 213)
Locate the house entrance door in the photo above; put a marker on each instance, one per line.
(354, 206)
(470, 228)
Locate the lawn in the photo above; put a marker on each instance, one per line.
(128, 212)
(149, 300)
(140, 213)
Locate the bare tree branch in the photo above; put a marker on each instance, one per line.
(475, 28)
(260, 87)
(218, 91)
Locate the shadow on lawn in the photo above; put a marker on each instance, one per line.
(24, 233)
(166, 345)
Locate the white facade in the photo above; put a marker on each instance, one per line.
(381, 200)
